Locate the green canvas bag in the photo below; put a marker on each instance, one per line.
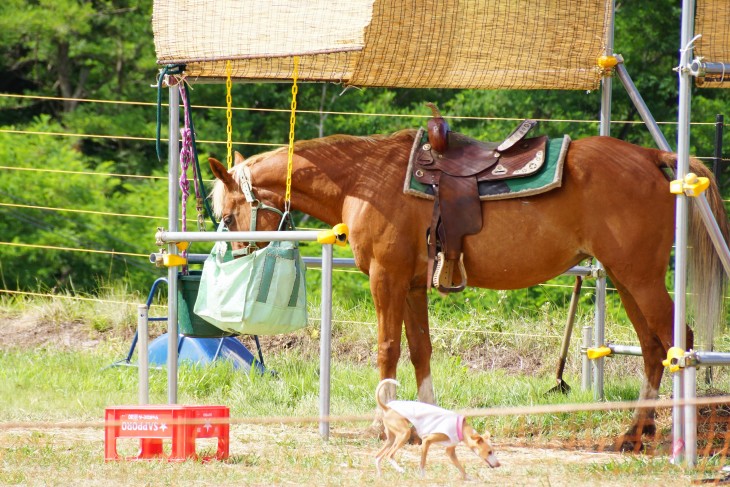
(262, 293)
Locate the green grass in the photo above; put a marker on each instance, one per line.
(481, 360)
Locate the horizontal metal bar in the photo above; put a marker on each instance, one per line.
(625, 349)
(712, 358)
(579, 270)
(710, 72)
(155, 257)
(268, 236)
(310, 261)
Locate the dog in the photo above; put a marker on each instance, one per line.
(434, 425)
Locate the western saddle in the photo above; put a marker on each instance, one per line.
(454, 164)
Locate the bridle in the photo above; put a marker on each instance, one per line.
(255, 204)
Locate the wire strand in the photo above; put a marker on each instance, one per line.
(325, 112)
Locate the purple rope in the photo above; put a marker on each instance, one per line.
(186, 158)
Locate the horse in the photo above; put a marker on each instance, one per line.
(613, 205)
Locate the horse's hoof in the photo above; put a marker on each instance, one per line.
(629, 445)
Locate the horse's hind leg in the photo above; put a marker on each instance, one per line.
(419, 341)
(651, 310)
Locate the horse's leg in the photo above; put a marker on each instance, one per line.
(419, 341)
(389, 290)
(651, 311)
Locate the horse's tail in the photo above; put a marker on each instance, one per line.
(707, 280)
(378, 390)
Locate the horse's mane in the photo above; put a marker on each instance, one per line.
(217, 195)
(336, 139)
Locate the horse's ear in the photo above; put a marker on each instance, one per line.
(220, 172)
(237, 158)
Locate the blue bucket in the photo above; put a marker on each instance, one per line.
(202, 351)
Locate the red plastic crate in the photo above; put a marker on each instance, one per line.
(154, 423)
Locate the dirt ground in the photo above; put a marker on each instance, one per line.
(30, 332)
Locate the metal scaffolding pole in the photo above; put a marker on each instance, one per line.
(599, 325)
(173, 160)
(684, 442)
(641, 107)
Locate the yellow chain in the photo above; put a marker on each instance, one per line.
(229, 115)
(292, 123)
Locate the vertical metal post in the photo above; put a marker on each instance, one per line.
(599, 338)
(605, 129)
(325, 342)
(173, 161)
(143, 354)
(586, 363)
(682, 213)
(690, 415)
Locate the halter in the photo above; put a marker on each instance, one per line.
(255, 204)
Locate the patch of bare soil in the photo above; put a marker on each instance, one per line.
(490, 357)
(28, 332)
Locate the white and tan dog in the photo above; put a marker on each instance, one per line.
(434, 425)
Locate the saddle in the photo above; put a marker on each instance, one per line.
(454, 164)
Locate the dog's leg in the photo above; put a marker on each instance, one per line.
(425, 445)
(397, 467)
(401, 439)
(381, 453)
(451, 452)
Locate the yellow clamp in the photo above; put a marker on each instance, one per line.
(338, 235)
(673, 360)
(691, 185)
(171, 260)
(182, 246)
(598, 352)
(607, 62)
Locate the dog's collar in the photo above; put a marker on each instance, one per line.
(460, 427)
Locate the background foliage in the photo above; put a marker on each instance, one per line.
(102, 50)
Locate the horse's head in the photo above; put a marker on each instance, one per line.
(238, 205)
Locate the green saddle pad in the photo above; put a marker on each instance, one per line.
(547, 178)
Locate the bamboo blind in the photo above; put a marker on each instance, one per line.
(488, 44)
(712, 20)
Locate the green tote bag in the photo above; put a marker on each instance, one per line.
(262, 293)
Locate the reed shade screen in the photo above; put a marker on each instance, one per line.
(712, 20)
(487, 44)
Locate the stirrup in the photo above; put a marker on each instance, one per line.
(444, 272)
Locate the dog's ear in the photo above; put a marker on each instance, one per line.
(477, 438)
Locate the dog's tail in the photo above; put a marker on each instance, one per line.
(379, 389)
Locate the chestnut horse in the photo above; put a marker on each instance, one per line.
(614, 204)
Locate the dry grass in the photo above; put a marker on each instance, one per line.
(296, 455)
